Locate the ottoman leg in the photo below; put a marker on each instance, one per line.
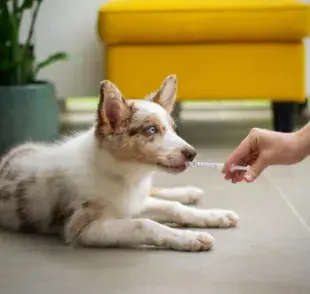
(302, 113)
(301, 107)
(283, 116)
(176, 115)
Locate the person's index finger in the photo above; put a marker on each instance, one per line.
(236, 156)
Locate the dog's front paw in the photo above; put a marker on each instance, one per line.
(191, 195)
(185, 195)
(217, 218)
(192, 241)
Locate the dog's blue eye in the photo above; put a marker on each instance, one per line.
(151, 130)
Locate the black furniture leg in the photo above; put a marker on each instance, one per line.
(283, 116)
(301, 107)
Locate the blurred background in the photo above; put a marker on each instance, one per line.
(71, 28)
(77, 81)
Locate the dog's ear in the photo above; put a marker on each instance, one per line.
(167, 93)
(112, 106)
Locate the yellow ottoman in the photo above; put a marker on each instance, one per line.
(227, 49)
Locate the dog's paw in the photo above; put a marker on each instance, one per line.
(192, 241)
(190, 195)
(217, 218)
(185, 195)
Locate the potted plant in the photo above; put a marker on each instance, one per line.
(28, 107)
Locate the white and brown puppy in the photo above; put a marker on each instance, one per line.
(96, 187)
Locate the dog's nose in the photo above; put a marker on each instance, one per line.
(189, 154)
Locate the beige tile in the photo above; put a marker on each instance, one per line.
(269, 252)
(293, 184)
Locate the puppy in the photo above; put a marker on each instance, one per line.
(96, 187)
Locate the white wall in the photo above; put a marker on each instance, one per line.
(307, 42)
(70, 25)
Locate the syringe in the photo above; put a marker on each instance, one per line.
(216, 165)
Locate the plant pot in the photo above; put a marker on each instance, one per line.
(27, 113)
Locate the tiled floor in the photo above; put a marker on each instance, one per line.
(268, 253)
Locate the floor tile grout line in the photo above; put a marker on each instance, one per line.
(287, 201)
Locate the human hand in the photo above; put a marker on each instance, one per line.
(260, 149)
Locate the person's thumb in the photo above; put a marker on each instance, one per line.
(255, 170)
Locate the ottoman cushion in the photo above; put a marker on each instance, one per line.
(188, 21)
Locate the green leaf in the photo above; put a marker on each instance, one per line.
(27, 4)
(58, 56)
(5, 65)
(5, 24)
(3, 2)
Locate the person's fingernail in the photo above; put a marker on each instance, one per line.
(249, 178)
